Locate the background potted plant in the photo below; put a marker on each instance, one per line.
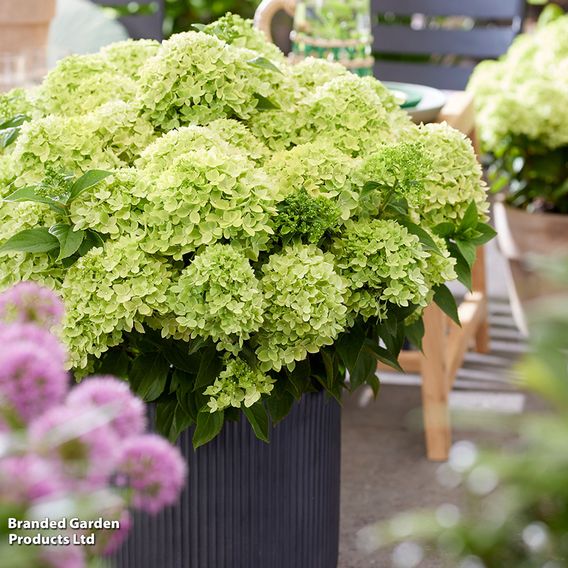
(523, 127)
(233, 236)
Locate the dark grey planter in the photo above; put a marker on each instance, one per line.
(250, 504)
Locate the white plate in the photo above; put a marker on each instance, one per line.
(428, 109)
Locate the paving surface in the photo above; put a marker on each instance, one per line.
(384, 469)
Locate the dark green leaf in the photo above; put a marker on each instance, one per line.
(331, 382)
(415, 333)
(264, 63)
(258, 419)
(69, 240)
(29, 193)
(299, 379)
(425, 238)
(375, 384)
(279, 403)
(446, 301)
(349, 345)
(485, 233)
(16, 120)
(209, 368)
(149, 375)
(383, 355)
(470, 218)
(365, 367)
(468, 250)
(92, 239)
(86, 181)
(265, 103)
(8, 136)
(209, 425)
(462, 268)
(444, 230)
(171, 419)
(177, 354)
(114, 362)
(31, 240)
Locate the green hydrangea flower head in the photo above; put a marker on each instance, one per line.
(218, 296)
(238, 385)
(305, 307)
(236, 31)
(80, 84)
(237, 134)
(348, 111)
(454, 180)
(306, 218)
(205, 196)
(393, 171)
(195, 79)
(128, 57)
(108, 138)
(311, 73)
(525, 93)
(14, 102)
(383, 263)
(320, 169)
(19, 266)
(109, 291)
(114, 207)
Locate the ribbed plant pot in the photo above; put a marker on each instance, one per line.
(248, 504)
(522, 235)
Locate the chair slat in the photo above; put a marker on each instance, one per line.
(439, 76)
(482, 9)
(479, 42)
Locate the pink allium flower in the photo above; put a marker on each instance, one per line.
(155, 471)
(82, 442)
(28, 478)
(28, 302)
(105, 391)
(115, 538)
(32, 378)
(63, 556)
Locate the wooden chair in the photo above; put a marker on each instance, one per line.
(445, 344)
(440, 57)
(145, 25)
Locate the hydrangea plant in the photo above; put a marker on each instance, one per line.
(229, 232)
(521, 104)
(84, 449)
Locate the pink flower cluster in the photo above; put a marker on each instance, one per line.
(71, 443)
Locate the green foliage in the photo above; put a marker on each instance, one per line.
(229, 232)
(515, 510)
(521, 105)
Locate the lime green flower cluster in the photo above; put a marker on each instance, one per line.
(383, 263)
(525, 92)
(106, 138)
(235, 30)
(240, 235)
(114, 207)
(218, 296)
(305, 307)
(13, 103)
(238, 385)
(320, 169)
(194, 78)
(110, 291)
(452, 182)
(205, 196)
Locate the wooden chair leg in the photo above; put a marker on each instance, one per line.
(435, 386)
(482, 341)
